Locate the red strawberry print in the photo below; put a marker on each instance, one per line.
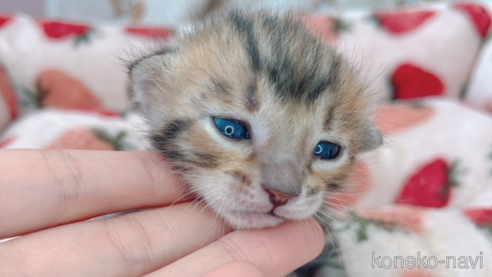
(59, 30)
(402, 22)
(430, 186)
(150, 32)
(6, 141)
(488, 105)
(480, 216)
(393, 118)
(4, 19)
(57, 89)
(479, 16)
(79, 138)
(410, 217)
(7, 93)
(415, 272)
(410, 81)
(98, 111)
(87, 139)
(325, 27)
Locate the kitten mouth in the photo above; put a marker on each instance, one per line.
(253, 213)
(253, 219)
(268, 214)
(272, 213)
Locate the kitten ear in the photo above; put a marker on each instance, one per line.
(148, 81)
(371, 138)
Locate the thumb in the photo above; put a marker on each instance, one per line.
(236, 269)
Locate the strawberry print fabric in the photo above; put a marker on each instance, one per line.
(413, 53)
(69, 129)
(427, 191)
(8, 99)
(479, 93)
(435, 200)
(71, 65)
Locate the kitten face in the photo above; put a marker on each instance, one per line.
(259, 117)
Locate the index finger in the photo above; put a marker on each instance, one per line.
(275, 251)
(41, 189)
(236, 269)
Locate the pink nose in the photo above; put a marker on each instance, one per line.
(278, 198)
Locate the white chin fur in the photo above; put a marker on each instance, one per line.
(250, 220)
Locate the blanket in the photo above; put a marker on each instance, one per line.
(421, 205)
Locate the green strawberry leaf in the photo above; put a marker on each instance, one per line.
(375, 20)
(487, 229)
(419, 104)
(454, 172)
(487, 38)
(490, 158)
(341, 25)
(362, 233)
(31, 98)
(84, 38)
(116, 141)
(361, 225)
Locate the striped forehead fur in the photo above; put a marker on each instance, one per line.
(296, 63)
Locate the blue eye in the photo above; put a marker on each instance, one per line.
(231, 128)
(327, 150)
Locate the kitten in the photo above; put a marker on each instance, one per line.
(260, 118)
(203, 8)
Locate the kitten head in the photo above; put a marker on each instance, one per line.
(260, 117)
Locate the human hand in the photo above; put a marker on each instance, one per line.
(45, 195)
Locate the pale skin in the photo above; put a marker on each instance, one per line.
(46, 196)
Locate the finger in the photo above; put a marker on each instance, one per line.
(276, 252)
(129, 245)
(236, 269)
(40, 189)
